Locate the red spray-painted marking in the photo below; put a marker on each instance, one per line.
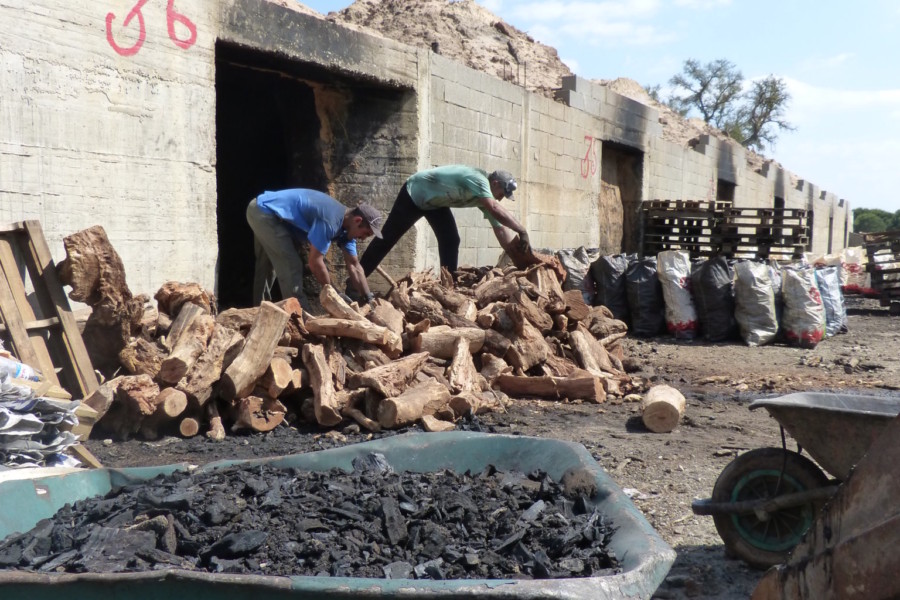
(172, 17)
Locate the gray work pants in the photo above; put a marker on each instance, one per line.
(276, 254)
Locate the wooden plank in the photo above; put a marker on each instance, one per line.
(49, 291)
(15, 310)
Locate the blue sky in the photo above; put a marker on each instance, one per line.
(840, 60)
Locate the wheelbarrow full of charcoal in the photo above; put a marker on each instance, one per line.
(765, 500)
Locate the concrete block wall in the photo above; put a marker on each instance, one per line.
(112, 126)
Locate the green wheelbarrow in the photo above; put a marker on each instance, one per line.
(765, 500)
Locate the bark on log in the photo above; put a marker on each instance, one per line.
(188, 313)
(547, 283)
(440, 341)
(475, 403)
(576, 308)
(207, 369)
(539, 318)
(492, 367)
(187, 349)
(590, 354)
(528, 348)
(351, 400)
(103, 397)
(363, 330)
(295, 332)
(384, 314)
(335, 305)
(462, 375)
(133, 401)
(142, 357)
(257, 414)
(495, 290)
(523, 260)
(407, 408)
(216, 430)
(173, 295)
(586, 387)
(170, 403)
(391, 379)
(238, 319)
(278, 377)
(662, 408)
(240, 376)
(327, 411)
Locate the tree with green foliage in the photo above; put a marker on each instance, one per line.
(716, 91)
(873, 220)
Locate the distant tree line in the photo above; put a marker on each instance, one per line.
(716, 92)
(872, 220)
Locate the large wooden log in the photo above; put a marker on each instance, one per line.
(492, 367)
(198, 382)
(587, 387)
(172, 295)
(662, 408)
(528, 348)
(494, 342)
(240, 376)
(475, 403)
(495, 290)
(188, 314)
(590, 354)
(187, 349)
(440, 341)
(363, 330)
(327, 411)
(384, 314)
(335, 305)
(170, 404)
(390, 379)
(461, 374)
(257, 414)
(539, 318)
(132, 403)
(576, 308)
(142, 357)
(278, 377)
(407, 408)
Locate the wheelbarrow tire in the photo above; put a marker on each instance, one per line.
(755, 475)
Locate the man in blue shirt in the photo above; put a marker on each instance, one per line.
(282, 220)
(431, 194)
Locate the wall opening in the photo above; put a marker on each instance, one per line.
(621, 179)
(725, 191)
(282, 123)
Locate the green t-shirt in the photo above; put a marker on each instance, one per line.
(451, 186)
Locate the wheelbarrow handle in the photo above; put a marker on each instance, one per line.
(707, 507)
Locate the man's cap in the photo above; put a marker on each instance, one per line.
(506, 180)
(372, 217)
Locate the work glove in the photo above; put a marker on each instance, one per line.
(369, 297)
(345, 297)
(524, 243)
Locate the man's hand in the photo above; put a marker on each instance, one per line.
(524, 243)
(369, 297)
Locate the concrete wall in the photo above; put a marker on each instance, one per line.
(116, 125)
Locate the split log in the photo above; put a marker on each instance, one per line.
(238, 319)
(586, 387)
(662, 408)
(278, 377)
(257, 414)
(240, 376)
(216, 430)
(132, 403)
(410, 406)
(528, 347)
(539, 318)
(475, 403)
(335, 305)
(576, 308)
(363, 330)
(494, 342)
(433, 424)
(384, 314)
(523, 260)
(602, 324)
(547, 283)
(288, 353)
(462, 375)
(391, 379)
(327, 412)
(173, 295)
(187, 349)
(449, 298)
(142, 357)
(207, 369)
(189, 312)
(351, 401)
(492, 367)
(103, 397)
(494, 290)
(589, 353)
(440, 341)
(295, 332)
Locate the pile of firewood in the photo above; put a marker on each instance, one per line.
(433, 351)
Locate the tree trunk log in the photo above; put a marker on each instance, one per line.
(241, 375)
(207, 369)
(277, 378)
(384, 314)
(173, 295)
(391, 379)
(662, 408)
(440, 341)
(327, 411)
(363, 330)
(335, 305)
(142, 357)
(432, 424)
(411, 405)
(590, 354)
(586, 387)
(257, 414)
(187, 349)
(462, 374)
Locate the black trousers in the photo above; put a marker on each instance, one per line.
(404, 215)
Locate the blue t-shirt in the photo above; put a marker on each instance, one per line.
(312, 215)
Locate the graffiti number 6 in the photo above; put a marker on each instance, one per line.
(171, 18)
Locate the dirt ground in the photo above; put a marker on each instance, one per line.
(662, 473)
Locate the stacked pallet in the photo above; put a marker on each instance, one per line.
(883, 253)
(710, 228)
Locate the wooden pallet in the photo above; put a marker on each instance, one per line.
(42, 334)
(883, 265)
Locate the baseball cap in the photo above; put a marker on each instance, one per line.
(371, 215)
(505, 179)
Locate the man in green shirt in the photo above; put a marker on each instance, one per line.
(431, 194)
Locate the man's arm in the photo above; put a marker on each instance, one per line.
(505, 217)
(357, 276)
(317, 266)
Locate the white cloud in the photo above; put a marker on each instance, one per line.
(701, 4)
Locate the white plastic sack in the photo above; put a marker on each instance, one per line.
(754, 303)
(674, 271)
(854, 278)
(828, 280)
(804, 314)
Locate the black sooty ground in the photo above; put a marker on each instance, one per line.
(372, 522)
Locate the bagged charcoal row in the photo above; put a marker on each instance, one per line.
(721, 299)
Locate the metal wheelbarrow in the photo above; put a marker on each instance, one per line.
(765, 500)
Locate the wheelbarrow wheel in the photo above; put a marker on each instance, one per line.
(756, 475)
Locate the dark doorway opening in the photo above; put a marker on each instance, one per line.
(267, 134)
(725, 191)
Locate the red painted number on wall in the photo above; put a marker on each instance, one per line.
(589, 162)
(172, 17)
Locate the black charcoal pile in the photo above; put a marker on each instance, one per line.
(372, 522)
